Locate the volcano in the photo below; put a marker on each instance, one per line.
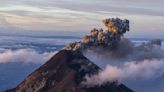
(65, 72)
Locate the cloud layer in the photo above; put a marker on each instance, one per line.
(146, 69)
(25, 56)
(71, 14)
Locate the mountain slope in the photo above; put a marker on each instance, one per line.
(64, 72)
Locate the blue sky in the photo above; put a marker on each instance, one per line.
(146, 16)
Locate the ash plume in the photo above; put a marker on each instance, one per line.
(98, 37)
(119, 58)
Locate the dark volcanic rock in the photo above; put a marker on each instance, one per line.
(64, 72)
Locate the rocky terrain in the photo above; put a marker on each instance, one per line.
(66, 71)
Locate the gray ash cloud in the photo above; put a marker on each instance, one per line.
(119, 58)
(98, 37)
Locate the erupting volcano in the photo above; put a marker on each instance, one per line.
(70, 70)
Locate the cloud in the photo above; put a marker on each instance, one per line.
(126, 6)
(3, 21)
(24, 55)
(70, 15)
(146, 69)
(50, 18)
(127, 62)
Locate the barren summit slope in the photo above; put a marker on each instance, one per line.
(64, 72)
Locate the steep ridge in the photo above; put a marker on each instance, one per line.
(65, 72)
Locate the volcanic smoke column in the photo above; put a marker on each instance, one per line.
(98, 37)
(110, 37)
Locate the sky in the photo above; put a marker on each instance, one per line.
(146, 16)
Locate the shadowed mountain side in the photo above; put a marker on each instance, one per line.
(64, 72)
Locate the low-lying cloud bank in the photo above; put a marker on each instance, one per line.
(25, 56)
(145, 69)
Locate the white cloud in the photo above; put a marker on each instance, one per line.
(146, 69)
(71, 14)
(24, 55)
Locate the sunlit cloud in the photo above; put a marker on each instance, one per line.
(81, 15)
(51, 18)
